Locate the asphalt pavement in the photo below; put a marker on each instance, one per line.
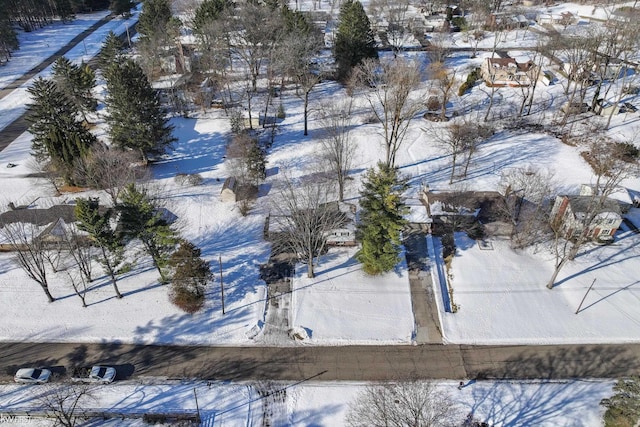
(358, 363)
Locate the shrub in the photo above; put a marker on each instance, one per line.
(180, 178)
(433, 103)
(194, 179)
(625, 151)
(463, 88)
(459, 22)
(188, 179)
(186, 298)
(473, 76)
(245, 207)
(237, 121)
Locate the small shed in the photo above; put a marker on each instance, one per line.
(606, 108)
(229, 191)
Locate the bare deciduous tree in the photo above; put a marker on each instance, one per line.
(302, 216)
(65, 401)
(109, 169)
(295, 54)
(396, 15)
(390, 97)
(79, 285)
(337, 148)
(259, 30)
(410, 403)
(30, 252)
(526, 192)
(443, 81)
(461, 137)
(578, 54)
(80, 250)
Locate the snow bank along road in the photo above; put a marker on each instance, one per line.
(361, 363)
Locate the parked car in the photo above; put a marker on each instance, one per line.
(32, 376)
(102, 374)
(97, 374)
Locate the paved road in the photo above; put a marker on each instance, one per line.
(361, 363)
(20, 125)
(50, 60)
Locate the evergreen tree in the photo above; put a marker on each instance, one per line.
(207, 13)
(101, 233)
(354, 39)
(111, 51)
(296, 21)
(76, 82)
(64, 10)
(142, 220)
(8, 37)
(136, 119)
(121, 7)
(154, 18)
(256, 162)
(623, 408)
(57, 134)
(381, 219)
(191, 274)
(158, 33)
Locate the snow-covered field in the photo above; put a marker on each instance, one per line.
(500, 293)
(499, 403)
(490, 287)
(373, 309)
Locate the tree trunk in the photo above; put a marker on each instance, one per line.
(45, 288)
(453, 168)
(556, 271)
(111, 272)
(310, 272)
(493, 91)
(306, 112)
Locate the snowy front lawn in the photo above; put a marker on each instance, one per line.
(502, 296)
(342, 305)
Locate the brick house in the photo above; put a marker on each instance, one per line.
(569, 213)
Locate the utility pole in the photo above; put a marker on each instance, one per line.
(585, 296)
(195, 395)
(221, 283)
(126, 25)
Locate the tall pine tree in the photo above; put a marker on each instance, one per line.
(381, 219)
(191, 274)
(158, 33)
(76, 81)
(111, 51)
(98, 226)
(207, 13)
(135, 117)
(142, 220)
(354, 39)
(121, 7)
(8, 37)
(58, 136)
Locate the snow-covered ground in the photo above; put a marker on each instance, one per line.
(500, 293)
(379, 306)
(499, 403)
(38, 45)
(490, 287)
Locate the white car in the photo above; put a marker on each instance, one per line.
(32, 376)
(102, 374)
